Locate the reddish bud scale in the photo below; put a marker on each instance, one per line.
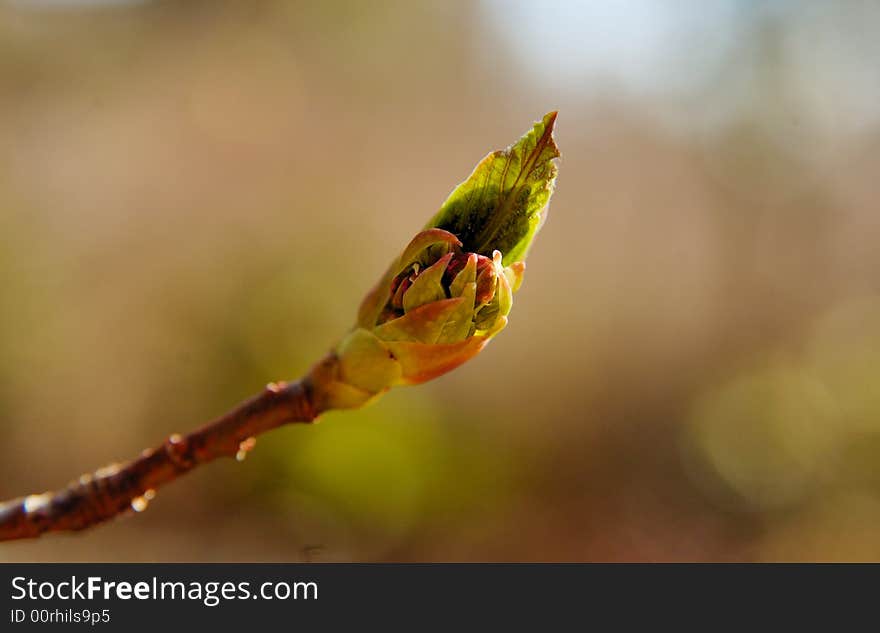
(485, 275)
(456, 265)
(399, 287)
(486, 279)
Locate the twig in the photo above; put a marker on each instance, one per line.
(119, 488)
(413, 326)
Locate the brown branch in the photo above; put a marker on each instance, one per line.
(119, 488)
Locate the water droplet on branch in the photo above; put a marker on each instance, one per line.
(32, 503)
(245, 447)
(139, 504)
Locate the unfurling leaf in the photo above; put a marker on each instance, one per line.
(451, 289)
(501, 205)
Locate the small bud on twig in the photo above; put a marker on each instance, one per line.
(438, 305)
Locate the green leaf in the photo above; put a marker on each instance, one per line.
(502, 204)
(466, 275)
(459, 321)
(423, 324)
(427, 287)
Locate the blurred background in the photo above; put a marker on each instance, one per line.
(194, 195)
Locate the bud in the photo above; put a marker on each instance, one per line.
(451, 289)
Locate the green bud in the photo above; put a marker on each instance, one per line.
(451, 289)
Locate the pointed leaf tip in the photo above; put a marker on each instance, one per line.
(502, 204)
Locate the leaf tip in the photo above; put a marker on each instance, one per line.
(549, 123)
